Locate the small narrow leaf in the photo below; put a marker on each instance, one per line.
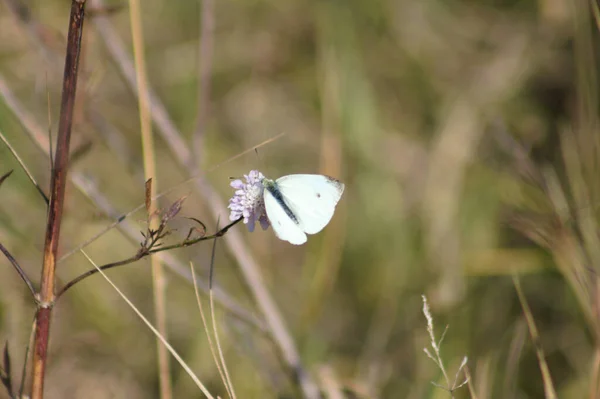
(6, 359)
(202, 233)
(5, 176)
(6, 377)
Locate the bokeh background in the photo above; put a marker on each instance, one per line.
(466, 133)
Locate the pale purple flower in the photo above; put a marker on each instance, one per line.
(248, 201)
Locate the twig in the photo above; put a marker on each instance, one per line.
(143, 254)
(27, 172)
(57, 189)
(18, 268)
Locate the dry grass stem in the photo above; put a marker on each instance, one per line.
(550, 392)
(177, 357)
(213, 352)
(158, 277)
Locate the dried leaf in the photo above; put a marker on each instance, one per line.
(6, 359)
(174, 209)
(148, 196)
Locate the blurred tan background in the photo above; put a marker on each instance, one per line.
(466, 133)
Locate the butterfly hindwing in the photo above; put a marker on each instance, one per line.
(283, 225)
(311, 198)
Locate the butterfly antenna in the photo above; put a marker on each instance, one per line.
(260, 159)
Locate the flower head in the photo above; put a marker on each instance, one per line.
(248, 201)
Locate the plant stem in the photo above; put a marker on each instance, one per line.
(57, 195)
(158, 278)
(143, 254)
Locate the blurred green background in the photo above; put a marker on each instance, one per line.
(466, 133)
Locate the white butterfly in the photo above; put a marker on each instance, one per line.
(297, 205)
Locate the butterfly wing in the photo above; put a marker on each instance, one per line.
(284, 227)
(312, 198)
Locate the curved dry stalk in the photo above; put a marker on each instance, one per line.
(210, 342)
(214, 322)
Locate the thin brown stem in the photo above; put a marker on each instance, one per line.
(18, 268)
(57, 190)
(143, 254)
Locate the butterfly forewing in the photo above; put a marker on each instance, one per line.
(311, 198)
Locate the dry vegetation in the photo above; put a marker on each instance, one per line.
(468, 138)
